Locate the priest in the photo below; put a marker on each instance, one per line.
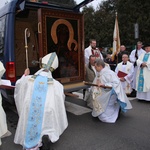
(125, 71)
(143, 74)
(39, 100)
(92, 50)
(109, 96)
(134, 55)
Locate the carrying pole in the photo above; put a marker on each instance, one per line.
(91, 84)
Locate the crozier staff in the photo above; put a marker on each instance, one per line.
(27, 35)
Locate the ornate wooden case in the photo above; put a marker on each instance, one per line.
(62, 32)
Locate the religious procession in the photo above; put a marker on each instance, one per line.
(123, 71)
(45, 62)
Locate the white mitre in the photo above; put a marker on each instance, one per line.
(50, 61)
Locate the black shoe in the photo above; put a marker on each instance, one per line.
(119, 113)
(133, 94)
(46, 143)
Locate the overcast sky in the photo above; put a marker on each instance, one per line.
(94, 3)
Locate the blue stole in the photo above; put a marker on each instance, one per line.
(36, 111)
(122, 104)
(141, 78)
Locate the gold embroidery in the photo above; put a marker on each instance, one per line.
(41, 83)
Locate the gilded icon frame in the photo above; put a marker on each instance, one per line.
(62, 32)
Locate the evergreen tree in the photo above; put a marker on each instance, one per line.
(100, 23)
(89, 24)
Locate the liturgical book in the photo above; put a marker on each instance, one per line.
(121, 74)
(6, 84)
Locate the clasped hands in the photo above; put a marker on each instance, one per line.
(144, 64)
(122, 79)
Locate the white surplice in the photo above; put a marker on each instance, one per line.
(88, 92)
(3, 123)
(88, 53)
(133, 60)
(129, 70)
(145, 95)
(54, 118)
(106, 102)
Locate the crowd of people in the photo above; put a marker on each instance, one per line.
(39, 98)
(111, 86)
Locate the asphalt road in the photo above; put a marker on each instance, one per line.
(130, 132)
